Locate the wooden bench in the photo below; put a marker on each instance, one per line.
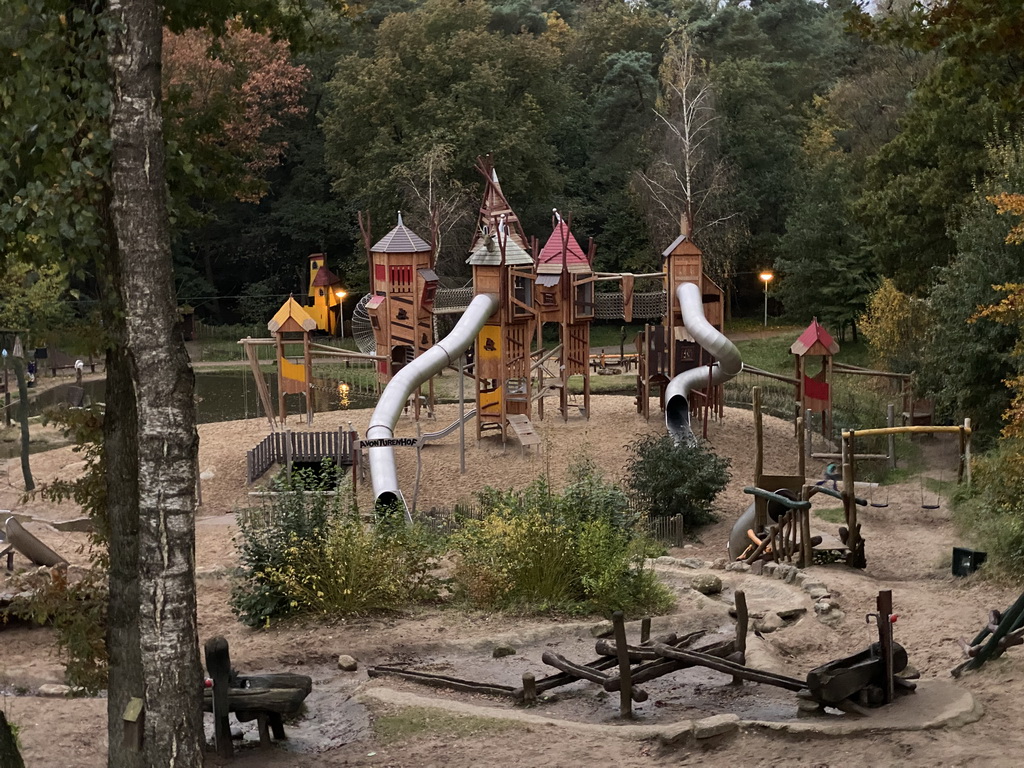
(263, 698)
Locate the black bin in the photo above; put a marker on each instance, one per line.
(967, 561)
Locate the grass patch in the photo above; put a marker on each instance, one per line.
(831, 514)
(408, 723)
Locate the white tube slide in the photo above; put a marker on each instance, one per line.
(396, 394)
(677, 393)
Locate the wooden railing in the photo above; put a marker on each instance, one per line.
(286, 447)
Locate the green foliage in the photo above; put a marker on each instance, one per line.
(77, 611)
(894, 325)
(670, 478)
(303, 553)
(991, 512)
(537, 551)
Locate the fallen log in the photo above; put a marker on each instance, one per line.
(443, 681)
(731, 668)
(652, 670)
(606, 647)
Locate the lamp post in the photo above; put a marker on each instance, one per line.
(341, 312)
(766, 277)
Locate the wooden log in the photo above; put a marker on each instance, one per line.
(660, 667)
(584, 672)
(282, 700)
(742, 621)
(625, 683)
(218, 664)
(644, 652)
(278, 680)
(529, 688)
(731, 668)
(444, 681)
(645, 629)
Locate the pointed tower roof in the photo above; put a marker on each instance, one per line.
(815, 340)
(401, 239)
(495, 211)
(324, 277)
(291, 317)
(488, 253)
(561, 251)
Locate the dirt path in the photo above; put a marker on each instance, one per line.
(908, 551)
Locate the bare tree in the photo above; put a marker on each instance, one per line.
(687, 183)
(158, 610)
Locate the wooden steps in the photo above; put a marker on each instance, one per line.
(524, 431)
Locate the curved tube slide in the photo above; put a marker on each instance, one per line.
(396, 393)
(677, 394)
(738, 539)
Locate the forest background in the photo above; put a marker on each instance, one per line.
(850, 147)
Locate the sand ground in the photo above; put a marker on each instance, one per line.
(908, 551)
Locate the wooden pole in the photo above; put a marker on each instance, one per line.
(626, 683)
(801, 461)
(758, 436)
(288, 454)
(419, 467)
(742, 622)
(962, 437)
(806, 549)
(529, 689)
(218, 664)
(645, 629)
(967, 451)
(849, 497)
(890, 421)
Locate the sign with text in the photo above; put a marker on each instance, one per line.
(385, 442)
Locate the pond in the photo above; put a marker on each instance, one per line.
(230, 395)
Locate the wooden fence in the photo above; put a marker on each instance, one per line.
(286, 447)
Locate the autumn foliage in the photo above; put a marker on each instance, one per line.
(225, 96)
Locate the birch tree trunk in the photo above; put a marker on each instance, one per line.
(163, 391)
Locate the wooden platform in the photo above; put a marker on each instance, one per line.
(524, 431)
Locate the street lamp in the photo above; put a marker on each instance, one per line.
(767, 277)
(341, 313)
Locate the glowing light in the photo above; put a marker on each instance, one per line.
(341, 294)
(767, 277)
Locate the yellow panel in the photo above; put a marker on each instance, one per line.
(488, 345)
(293, 371)
(489, 402)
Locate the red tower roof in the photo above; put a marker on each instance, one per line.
(815, 340)
(562, 251)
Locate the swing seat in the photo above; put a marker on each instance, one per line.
(930, 506)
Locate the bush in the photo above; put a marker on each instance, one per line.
(669, 478)
(306, 553)
(578, 551)
(991, 512)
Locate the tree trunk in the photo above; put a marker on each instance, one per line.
(9, 755)
(19, 374)
(163, 391)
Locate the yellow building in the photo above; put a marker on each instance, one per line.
(326, 294)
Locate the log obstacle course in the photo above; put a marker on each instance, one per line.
(869, 678)
(1003, 630)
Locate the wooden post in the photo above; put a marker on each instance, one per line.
(218, 664)
(849, 497)
(890, 421)
(962, 437)
(645, 629)
(134, 718)
(742, 623)
(677, 529)
(625, 673)
(529, 689)
(758, 436)
(806, 550)
(884, 605)
(307, 364)
(288, 454)
(967, 451)
(801, 461)
(419, 467)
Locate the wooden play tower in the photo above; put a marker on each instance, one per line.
(403, 284)
(815, 391)
(292, 326)
(565, 295)
(667, 350)
(503, 266)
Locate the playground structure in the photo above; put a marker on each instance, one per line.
(326, 294)
(777, 524)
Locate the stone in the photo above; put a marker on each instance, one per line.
(822, 607)
(716, 725)
(769, 569)
(74, 525)
(757, 568)
(54, 690)
(802, 578)
(501, 651)
(791, 575)
(833, 617)
(788, 614)
(707, 584)
(770, 623)
(347, 663)
(604, 629)
(719, 564)
(740, 567)
(692, 562)
(783, 571)
(815, 589)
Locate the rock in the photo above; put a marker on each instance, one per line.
(208, 474)
(237, 732)
(707, 584)
(692, 562)
(815, 589)
(791, 613)
(770, 623)
(54, 690)
(833, 617)
(347, 663)
(501, 651)
(719, 564)
(741, 567)
(769, 569)
(822, 607)
(791, 575)
(783, 571)
(802, 578)
(757, 568)
(75, 525)
(604, 629)
(715, 725)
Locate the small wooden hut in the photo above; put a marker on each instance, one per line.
(292, 325)
(815, 392)
(325, 293)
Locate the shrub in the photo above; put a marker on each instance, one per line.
(306, 553)
(669, 478)
(537, 550)
(991, 512)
